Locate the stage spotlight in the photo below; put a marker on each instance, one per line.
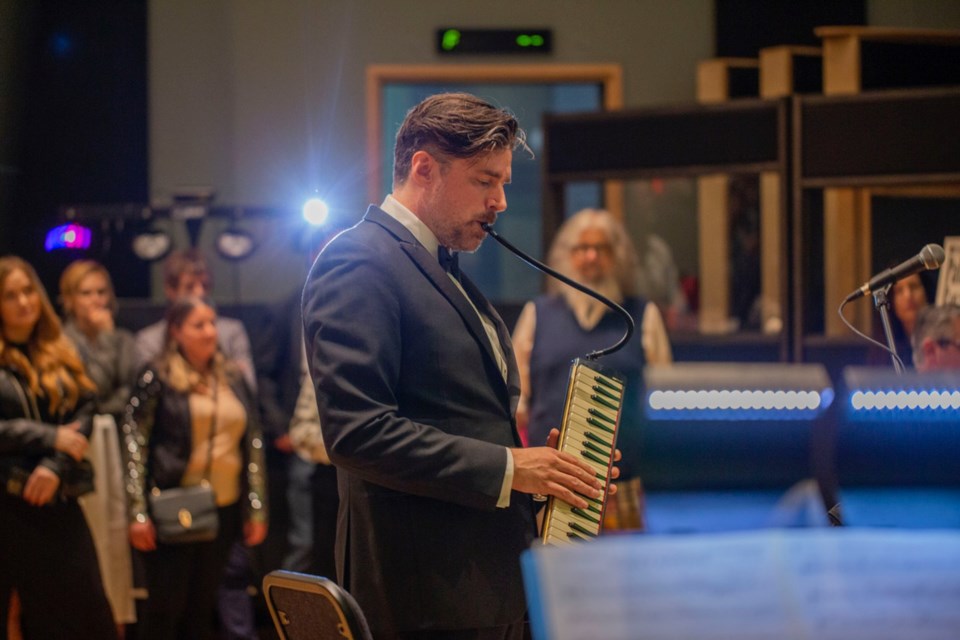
(151, 245)
(316, 211)
(234, 243)
(67, 236)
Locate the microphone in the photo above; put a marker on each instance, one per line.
(536, 264)
(930, 257)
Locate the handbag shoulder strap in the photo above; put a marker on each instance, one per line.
(213, 428)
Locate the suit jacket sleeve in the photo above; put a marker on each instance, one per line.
(356, 308)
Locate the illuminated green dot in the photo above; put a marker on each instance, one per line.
(523, 40)
(536, 41)
(451, 38)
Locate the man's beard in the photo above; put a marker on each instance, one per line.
(448, 231)
(459, 240)
(587, 309)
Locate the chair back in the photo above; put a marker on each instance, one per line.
(308, 607)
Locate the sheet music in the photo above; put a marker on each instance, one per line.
(848, 584)
(948, 284)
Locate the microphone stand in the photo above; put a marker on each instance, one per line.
(882, 303)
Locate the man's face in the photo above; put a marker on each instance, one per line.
(942, 354)
(467, 193)
(592, 256)
(948, 351)
(195, 285)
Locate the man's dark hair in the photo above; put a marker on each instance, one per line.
(457, 125)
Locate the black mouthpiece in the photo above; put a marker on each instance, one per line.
(536, 264)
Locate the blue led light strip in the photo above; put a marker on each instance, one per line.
(926, 400)
(736, 404)
(736, 400)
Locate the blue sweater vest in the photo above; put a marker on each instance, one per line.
(557, 341)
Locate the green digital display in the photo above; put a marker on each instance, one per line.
(453, 41)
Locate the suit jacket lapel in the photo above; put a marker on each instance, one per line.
(513, 374)
(439, 278)
(431, 268)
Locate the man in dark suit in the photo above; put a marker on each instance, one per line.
(417, 388)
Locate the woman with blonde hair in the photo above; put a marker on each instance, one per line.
(90, 304)
(46, 404)
(192, 420)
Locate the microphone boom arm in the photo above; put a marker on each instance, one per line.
(536, 264)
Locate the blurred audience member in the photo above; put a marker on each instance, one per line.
(313, 494)
(936, 339)
(185, 273)
(289, 405)
(89, 303)
(744, 211)
(658, 281)
(192, 415)
(592, 248)
(46, 404)
(275, 351)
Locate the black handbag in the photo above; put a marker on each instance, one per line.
(184, 514)
(188, 514)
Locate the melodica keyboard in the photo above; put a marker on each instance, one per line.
(591, 418)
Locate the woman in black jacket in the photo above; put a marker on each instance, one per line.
(46, 404)
(192, 419)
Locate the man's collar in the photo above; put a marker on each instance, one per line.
(392, 207)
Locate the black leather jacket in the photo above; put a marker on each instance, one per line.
(28, 431)
(157, 456)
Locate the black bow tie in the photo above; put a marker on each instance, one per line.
(449, 261)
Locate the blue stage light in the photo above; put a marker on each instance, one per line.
(67, 236)
(880, 394)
